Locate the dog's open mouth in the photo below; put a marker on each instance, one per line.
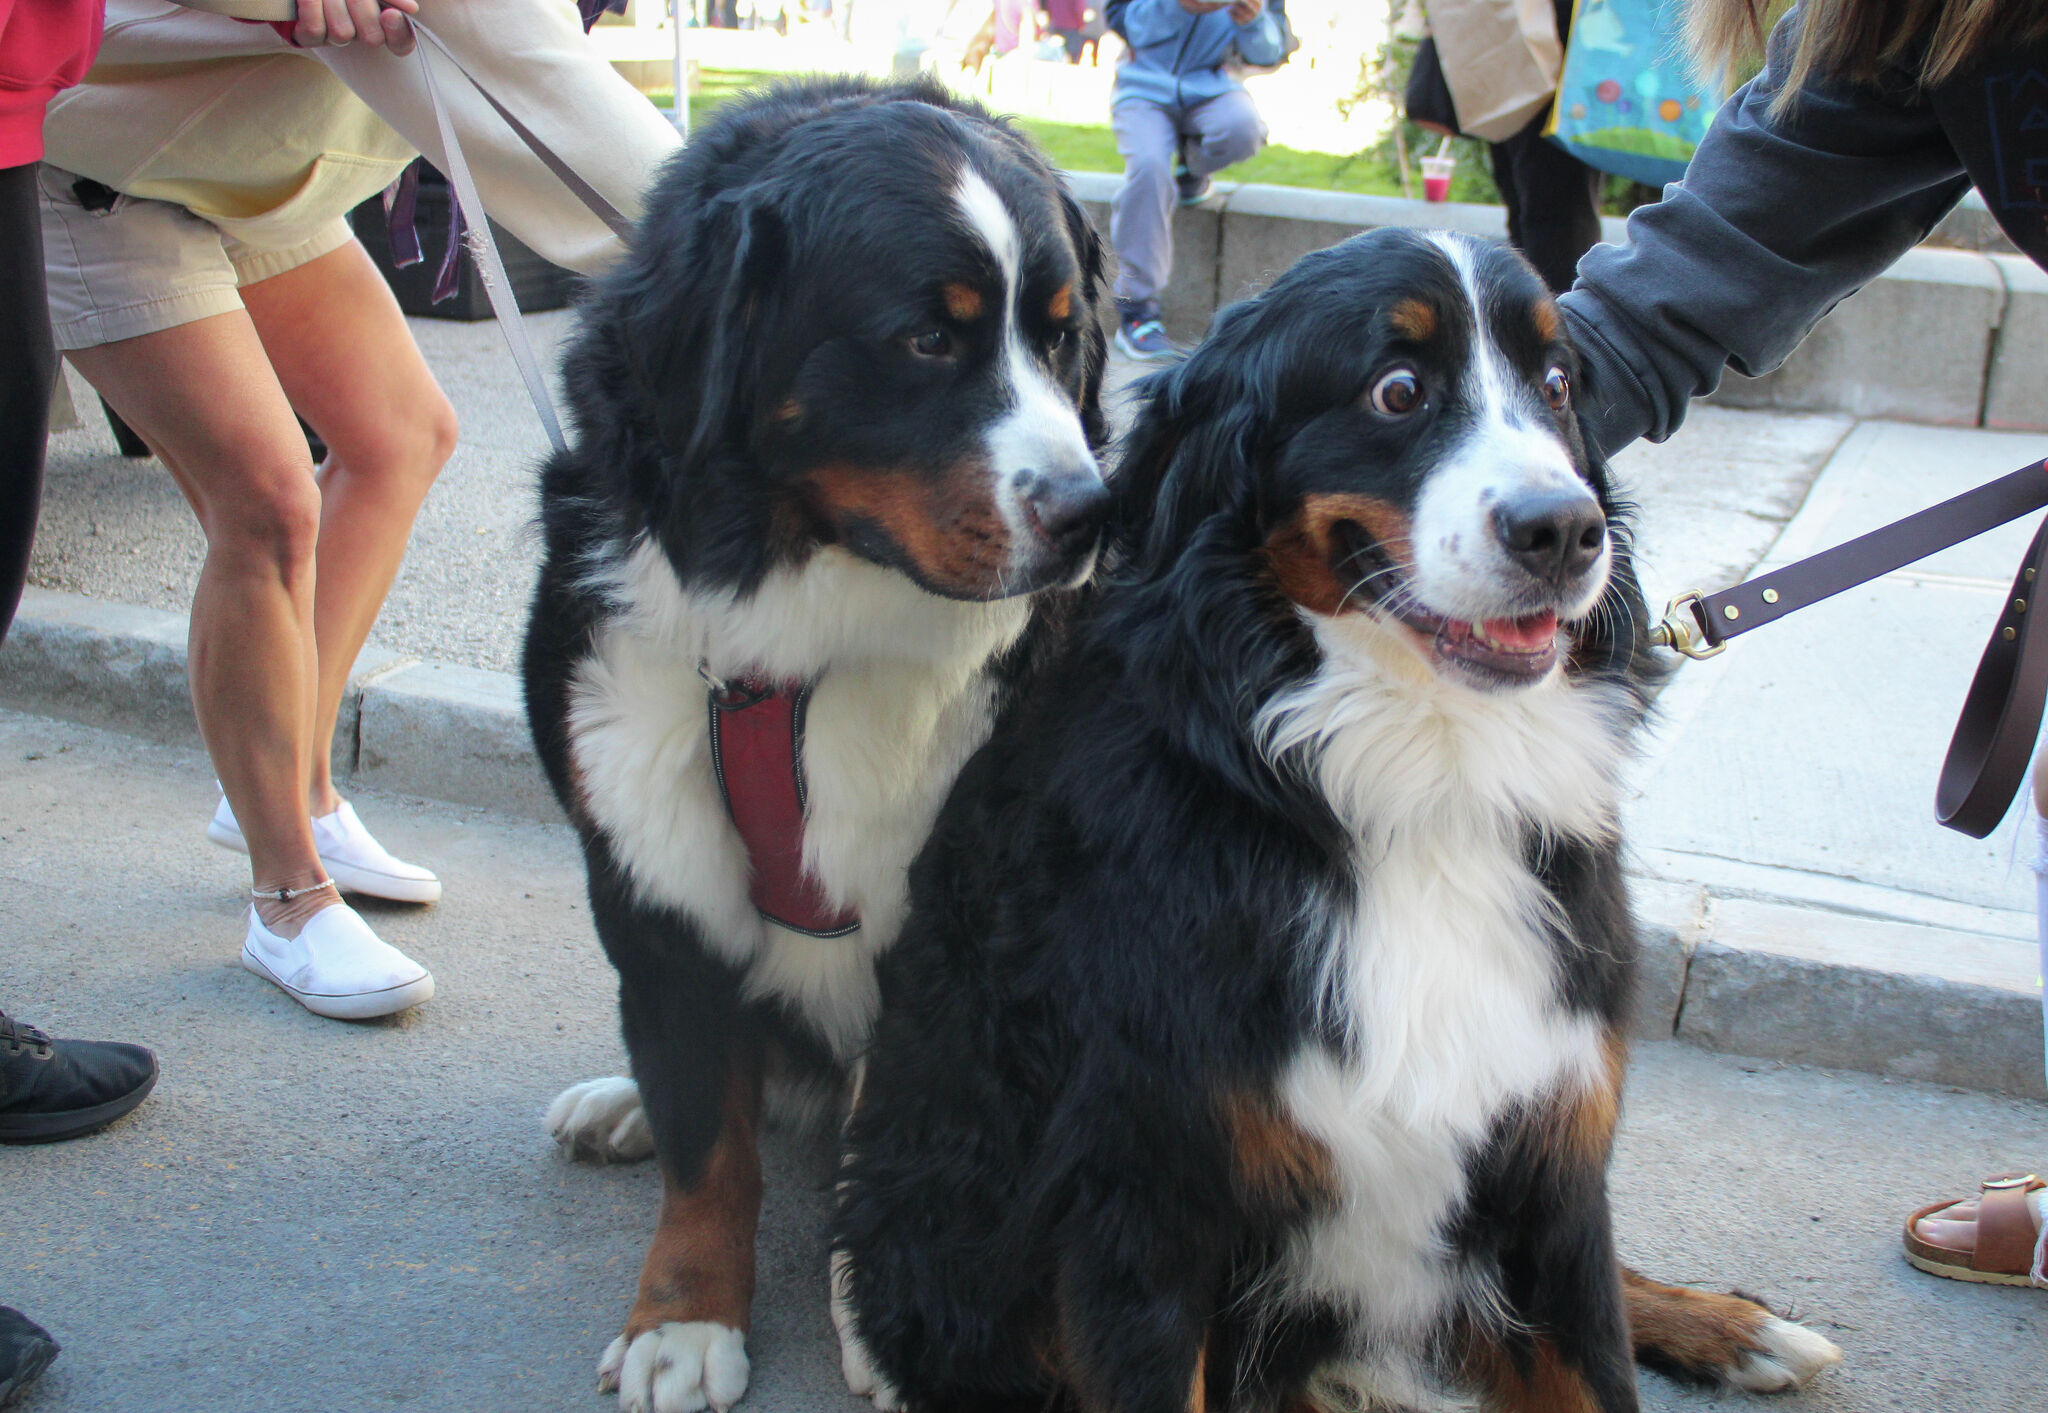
(1489, 652)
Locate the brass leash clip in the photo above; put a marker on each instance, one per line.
(1683, 628)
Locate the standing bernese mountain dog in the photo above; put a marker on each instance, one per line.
(835, 433)
(1256, 1037)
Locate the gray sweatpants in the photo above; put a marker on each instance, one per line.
(1218, 132)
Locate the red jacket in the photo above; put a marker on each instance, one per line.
(45, 45)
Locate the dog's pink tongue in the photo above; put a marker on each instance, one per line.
(1526, 635)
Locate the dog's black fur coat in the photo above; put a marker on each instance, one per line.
(751, 349)
(1114, 927)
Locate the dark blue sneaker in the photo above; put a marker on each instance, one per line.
(1192, 190)
(1143, 338)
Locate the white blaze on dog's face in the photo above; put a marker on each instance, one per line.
(1450, 501)
(1507, 521)
(942, 426)
(1043, 476)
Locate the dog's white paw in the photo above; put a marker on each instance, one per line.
(676, 1368)
(859, 1370)
(601, 1120)
(1788, 1355)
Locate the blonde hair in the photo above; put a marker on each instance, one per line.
(1858, 39)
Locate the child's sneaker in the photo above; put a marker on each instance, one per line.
(1142, 337)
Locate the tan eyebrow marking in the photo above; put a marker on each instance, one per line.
(1412, 319)
(963, 302)
(1062, 303)
(1549, 324)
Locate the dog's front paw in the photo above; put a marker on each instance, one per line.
(1734, 1340)
(601, 1120)
(1782, 1356)
(676, 1368)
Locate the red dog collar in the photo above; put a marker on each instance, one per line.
(757, 750)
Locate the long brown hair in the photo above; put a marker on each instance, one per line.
(1858, 39)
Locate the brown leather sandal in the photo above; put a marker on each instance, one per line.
(2011, 1246)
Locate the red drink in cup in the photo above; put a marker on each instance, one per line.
(1436, 177)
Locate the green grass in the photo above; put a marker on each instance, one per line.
(1076, 147)
(1083, 147)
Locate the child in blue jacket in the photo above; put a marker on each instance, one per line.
(1180, 115)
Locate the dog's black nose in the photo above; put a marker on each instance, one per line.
(1555, 535)
(1066, 505)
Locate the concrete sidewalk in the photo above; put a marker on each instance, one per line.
(310, 1216)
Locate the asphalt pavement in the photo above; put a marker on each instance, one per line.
(310, 1215)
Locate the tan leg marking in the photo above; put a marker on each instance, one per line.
(700, 1266)
(1546, 1385)
(1699, 1331)
(1585, 1130)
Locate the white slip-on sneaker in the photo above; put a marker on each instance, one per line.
(360, 864)
(337, 966)
(354, 858)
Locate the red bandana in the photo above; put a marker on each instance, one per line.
(757, 748)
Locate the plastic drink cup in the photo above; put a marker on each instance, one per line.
(1436, 177)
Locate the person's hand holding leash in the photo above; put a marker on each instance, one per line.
(1245, 11)
(377, 23)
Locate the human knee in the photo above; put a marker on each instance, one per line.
(408, 445)
(439, 431)
(1235, 143)
(273, 520)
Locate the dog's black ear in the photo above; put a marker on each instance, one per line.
(1193, 451)
(1094, 302)
(692, 321)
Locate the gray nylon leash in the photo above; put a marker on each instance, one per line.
(504, 303)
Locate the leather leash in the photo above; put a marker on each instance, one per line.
(1994, 736)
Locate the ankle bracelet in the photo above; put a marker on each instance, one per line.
(285, 895)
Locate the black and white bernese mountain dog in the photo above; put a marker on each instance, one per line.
(1256, 1036)
(836, 423)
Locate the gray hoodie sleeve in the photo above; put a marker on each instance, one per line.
(1777, 220)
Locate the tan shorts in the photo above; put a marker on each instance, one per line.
(145, 266)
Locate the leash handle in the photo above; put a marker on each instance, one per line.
(2001, 716)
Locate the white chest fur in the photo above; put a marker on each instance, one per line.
(901, 701)
(1439, 972)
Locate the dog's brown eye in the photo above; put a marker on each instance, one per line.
(1557, 389)
(932, 343)
(1397, 392)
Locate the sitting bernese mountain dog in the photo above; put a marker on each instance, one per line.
(835, 433)
(1256, 1036)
